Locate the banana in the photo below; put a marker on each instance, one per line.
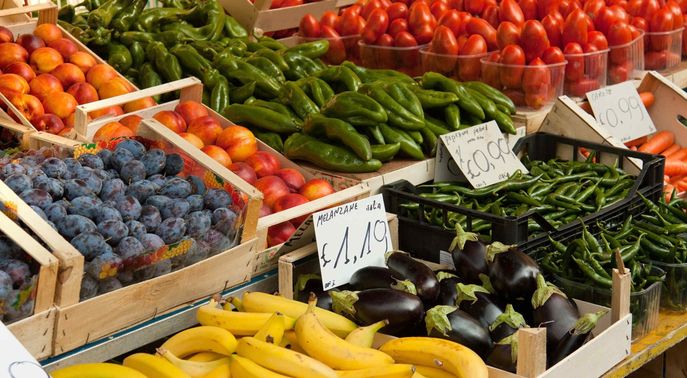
(387, 371)
(238, 323)
(290, 341)
(273, 330)
(201, 339)
(153, 366)
(282, 360)
(334, 351)
(263, 302)
(205, 357)
(233, 302)
(193, 368)
(241, 367)
(432, 372)
(418, 375)
(364, 336)
(446, 355)
(97, 370)
(221, 371)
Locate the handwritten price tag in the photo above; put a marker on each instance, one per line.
(350, 237)
(479, 154)
(619, 109)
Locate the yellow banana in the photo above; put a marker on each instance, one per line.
(263, 302)
(205, 357)
(221, 371)
(241, 367)
(446, 355)
(97, 370)
(290, 341)
(273, 330)
(194, 369)
(387, 371)
(201, 339)
(234, 302)
(238, 323)
(418, 375)
(282, 360)
(153, 366)
(334, 351)
(432, 372)
(364, 336)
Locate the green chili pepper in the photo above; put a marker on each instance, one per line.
(233, 28)
(271, 139)
(408, 146)
(302, 147)
(295, 97)
(592, 274)
(128, 15)
(263, 118)
(356, 109)
(334, 129)
(398, 115)
(104, 14)
(219, 95)
(119, 57)
(385, 152)
(241, 94)
(452, 116)
(430, 99)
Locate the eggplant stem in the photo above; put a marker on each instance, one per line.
(511, 340)
(437, 318)
(468, 292)
(462, 237)
(444, 275)
(486, 283)
(510, 317)
(389, 253)
(405, 285)
(544, 291)
(303, 280)
(495, 248)
(343, 302)
(587, 322)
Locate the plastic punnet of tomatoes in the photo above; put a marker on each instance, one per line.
(585, 72)
(341, 48)
(625, 60)
(341, 31)
(662, 50)
(404, 59)
(459, 67)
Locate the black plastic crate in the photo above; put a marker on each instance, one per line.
(426, 240)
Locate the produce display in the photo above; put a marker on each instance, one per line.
(342, 37)
(18, 281)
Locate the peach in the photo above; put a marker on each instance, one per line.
(218, 154)
(112, 130)
(28, 105)
(143, 103)
(83, 60)
(47, 32)
(48, 122)
(191, 110)
(193, 139)
(279, 233)
(10, 53)
(68, 74)
(292, 177)
(114, 87)
(45, 84)
(239, 142)
(6, 35)
(100, 74)
(288, 201)
(316, 188)
(110, 111)
(69, 121)
(264, 211)
(132, 122)
(45, 59)
(30, 42)
(64, 46)
(244, 171)
(272, 188)
(83, 93)
(13, 83)
(172, 120)
(22, 69)
(61, 104)
(207, 129)
(263, 163)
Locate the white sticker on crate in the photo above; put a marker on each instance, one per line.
(620, 110)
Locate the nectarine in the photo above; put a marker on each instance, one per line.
(316, 188)
(83, 93)
(279, 233)
(10, 53)
(28, 105)
(83, 60)
(218, 154)
(172, 120)
(13, 83)
(193, 139)
(191, 110)
(100, 74)
(68, 74)
(64, 46)
(263, 163)
(110, 111)
(239, 142)
(47, 32)
(45, 59)
(30, 42)
(112, 130)
(288, 201)
(49, 123)
(114, 87)
(244, 171)
(61, 104)
(6, 35)
(272, 188)
(131, 121)
(45, 84)
(143, 103)
(292, 177)
(22, 69)
(207, 129)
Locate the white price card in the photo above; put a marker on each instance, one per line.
(15, 360)
(620, 110)
(481, 154)
(350, 237)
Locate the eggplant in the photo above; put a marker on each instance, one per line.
(407, 268)
(504, 355)
(554, 310)
(403, 310)
(513, 274)
(506, 324)
(575, 337)
(312, 283)
(479, 303)
(469, 255)
(448, 290)
(449, 322)
(378, 277)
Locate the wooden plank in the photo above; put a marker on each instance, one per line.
(16, 18)
(531, 119)
(531, 352)
(675, 362)
(620, 303)
(36, 333)
(259, 18)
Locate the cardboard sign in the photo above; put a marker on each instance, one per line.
(620, 110)
(481, 155)
(350, 237)
(15, 361)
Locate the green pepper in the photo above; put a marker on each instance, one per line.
(233, 29)
(267, 66)
(128, 15)
(263, 118)
(148, 77)
(431, 99)
(312, 50)
(398, 115)
(99, 37)
(138, 54)
(240, 94)
(494, 94)
(103, 15)
(239, 70)
(219, 96)
(356, 109)
(340, 78)
(270, 43)
(317, 89)
(299, 146)
(274, 57)
(408, 145)
(429, 141)
(66, 13)
(119, 57)
(385, 152)
(271, 139)
(334, 129)
(369, 75)
(197, 65)
(166, 64)
(213, 14)
(436, 126)
(592, 274)
(300, 66)
(433, 80)
(292, 95)
(208, 49)
(404, 96)
(452, 116)
(158, 16)
(375, 134)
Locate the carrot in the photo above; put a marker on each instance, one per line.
(675, 179)
(636, 142)
(682, 186)
(647, 99)
(633, 148)
(658, 143)
(586, 107)
(675, 168)
(680, 155)
(671, 150)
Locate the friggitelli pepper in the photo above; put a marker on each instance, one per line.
(299, 146)
(128, 15)
(356, 109)
(292, 95)
(398, 115)
(166, 64)
(312, 50)
(104, 14)
(233, 29)
(340, 78)
(119, 57)
(263, 118)
(151, 18)
(334, 129)
(212, 13)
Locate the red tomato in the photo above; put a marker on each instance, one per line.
(575, 28)
(553, 28)
(621, 13)
(509, 10)
(337, 50)
(648, 8)
(385, 3)
(291, 3)
(474, 45)
(507, 34)
(456, 4)
(684, 39)
(490, 2)
(491, 15)
(483, 28)
(536, 81)
(355, 9)
(553, 55)
(444, 41)
(593, 7)
(397, 10)
(404, 39)
(438, 8)
(633, 7)
(350, 24)
(604, 20)
(456, 21)
(581, 87)
(376, 25)
(619, 34)
(309, 26)
(511, 75)
(662, 21)
(385, 56)
(635, 32)
(640, 23)
(369, 6)
(617, 73)
(398, 25)
(597, 39)
(419, 15)
(424, 34)
(655, 60)
(330, 19)
(529, 9)
(574, 70)
(565, 7)
(385, 40)
(461, 41)
(533, 39)
(490, 72)
(474, 6)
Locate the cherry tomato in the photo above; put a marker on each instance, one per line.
(490, 72)
(330, 19)
(369, 6)
(553, 28)
(438, 9)
(474, 6)
(536, 81)
(575, 28)
(509, 10)
(456, 21)
(491, 15)
(533, 39)
(419, 15)
(597, 39)
(507, 34)
(574, 70)
(678, 19)
(397, 10)
(376, 25)
(404, 39)
(553, 55)
(513, 58)
(640, 23)
(398, 25)
(483, 28)
(309, 26)
(529, 9)
(424, 34)
(593, 7)
(337, 50)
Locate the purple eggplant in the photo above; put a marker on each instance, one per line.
(504, 355)
(513, 274)
(312, 283)
(479, 303)
(449, 322)
(469, 255)
(506, 324)
(553, 310)
(447, 288)
(575, 337)
(407, 268)
(403, 310)
(377, 277)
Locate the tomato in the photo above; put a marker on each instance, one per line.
(351, 24)
(633, 7)
(456, 4)
(529, 9)
(398, 25)
(662, 21)
(354, 9)
(533, 39)
(474, 6)
(593, 7)
(635, 32)
(276, 4)
(461, 41)
(330, 19)
(483, 28)
(456, 21)
(655, 60)
(619, 34)
(376, 25)
(640, 23)
(536, 81)
(574, 70)
(678, 19)
(490, 2)
(385, 3)
(474, 45)
(444, 41)
(684, 39)
(565, 7)
(337, 50)
(509, 10)
(553, 28)
(291, 3)
(597, 39)
(419, 15)
(490, 72)
(507, 34)
(581, 87)
(309, 26)
(385, 40)
(404, 39)
(649, 8)
(438, 8)
(491, 15)
(604, 20)
(575, 28)
(385, 56)
(553, 55)
(424, 34)
(369, 6)
(397, 10)
(513, 58)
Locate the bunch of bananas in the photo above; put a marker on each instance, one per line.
(281, 338)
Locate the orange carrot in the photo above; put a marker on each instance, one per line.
(682, 186)
(658, 143)
(675, 179)
(647, 99)
(671, 150)
(675, 167)
(633, 148)
(636, 142)
(680, 155)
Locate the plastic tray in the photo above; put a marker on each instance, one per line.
(674, 292)
(662, 49)
(459, 67)
(626, 61)
(585, 72)
(404, 59)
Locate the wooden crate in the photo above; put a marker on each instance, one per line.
(36, 333)
(16, 18)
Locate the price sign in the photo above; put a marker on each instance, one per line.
(350, 237)
(480, 154)
(619, 109)
(15, 360)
